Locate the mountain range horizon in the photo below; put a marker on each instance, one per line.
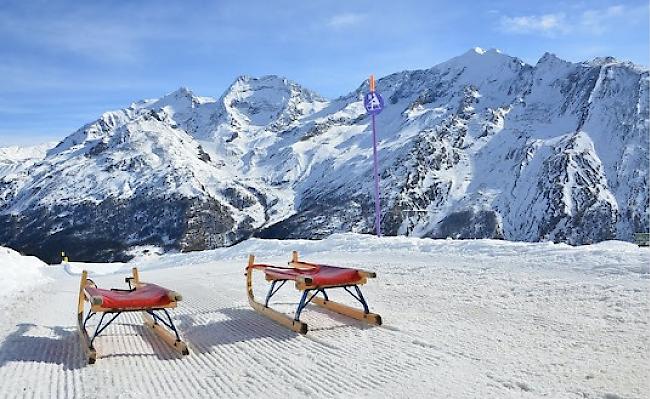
(483, 145)
(181, 87)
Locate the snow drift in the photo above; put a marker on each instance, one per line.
(19, 272)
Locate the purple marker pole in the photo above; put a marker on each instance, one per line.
(376, 170)
(374, 104)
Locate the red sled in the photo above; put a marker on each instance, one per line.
(312, 279)
(150, 299)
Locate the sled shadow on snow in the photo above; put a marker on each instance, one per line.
(240, 325)
(160, 349)
(62, 349)
(244, 324)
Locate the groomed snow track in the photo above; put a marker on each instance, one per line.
(488, 320)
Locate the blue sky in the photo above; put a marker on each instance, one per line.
(64, 63)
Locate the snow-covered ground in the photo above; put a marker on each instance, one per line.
(19, 274)
(462, 319)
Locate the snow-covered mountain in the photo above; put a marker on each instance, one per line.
(15, 162)
(15, 159)
(483, 145)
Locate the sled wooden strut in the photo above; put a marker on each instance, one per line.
(89, 350)
(280, 318)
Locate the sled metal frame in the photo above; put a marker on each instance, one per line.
(152, 317)
(309, 295)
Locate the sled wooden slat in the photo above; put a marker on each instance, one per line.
(165, 335)
(370, 318)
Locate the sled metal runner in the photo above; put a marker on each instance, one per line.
(311, 279)
(150, 299)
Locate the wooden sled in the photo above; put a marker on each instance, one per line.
(150, 299)
(311, 279)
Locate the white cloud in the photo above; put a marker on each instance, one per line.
(546, 24)
(589, 21)
(596, 21)
(345, 20)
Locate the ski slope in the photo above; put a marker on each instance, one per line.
(462, 319)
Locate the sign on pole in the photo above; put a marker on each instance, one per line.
(374, 104)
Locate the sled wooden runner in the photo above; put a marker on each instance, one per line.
(311, 279)
(150, 299)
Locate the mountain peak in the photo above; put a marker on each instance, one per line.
(247, 82)
(243, 78)
(482, 62)
(479, 51)
(184, 91)
(601, 61)
(550, 58)
(180, 100)
(246, 86)
(269, 100)
(181, 92)
(480, 55)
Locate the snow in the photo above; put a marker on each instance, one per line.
(19, 273)
(23, 153)
(95, 269)
(499, 128)
(473, 318)
(15, 159)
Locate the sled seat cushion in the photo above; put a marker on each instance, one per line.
(320, 275)
(146, 296)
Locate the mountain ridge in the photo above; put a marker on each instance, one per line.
(481, 145)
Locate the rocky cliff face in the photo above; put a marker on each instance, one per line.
(483, 145)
